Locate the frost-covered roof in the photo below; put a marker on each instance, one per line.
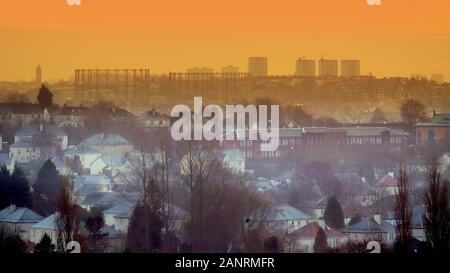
(286, 212)
(19, 215)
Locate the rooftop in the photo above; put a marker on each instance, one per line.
(105, 139)
(32, 129)
(311, 229)
(12, 214)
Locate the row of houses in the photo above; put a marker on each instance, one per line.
(22, 114)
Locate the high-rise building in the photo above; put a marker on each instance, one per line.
(38, 74)
(438, 78)
(230, 69)
(305, 68)
(328, 68)
(257, 66)
(350, 68)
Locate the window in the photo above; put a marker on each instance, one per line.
(431, 136)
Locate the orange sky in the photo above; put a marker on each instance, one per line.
(398, 38)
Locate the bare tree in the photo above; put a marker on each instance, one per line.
(403, 211)
(151, 178)
(412, 112)
(68, 215)
(437, 212)
(197, 167)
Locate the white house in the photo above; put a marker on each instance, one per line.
(108, 144)
(19, 220)
(118, 216)
(285, 218)
(46, 226)
(387, 185)
(368, 229)
(36, 141)
(24, 151)
(87, 156)
(32, 131)
(233, 160)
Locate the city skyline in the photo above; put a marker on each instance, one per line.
(412, 36)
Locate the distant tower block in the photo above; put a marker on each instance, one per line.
(257, 66)
(305, 68)
(328, 68)
(350, 68)
(39, 74)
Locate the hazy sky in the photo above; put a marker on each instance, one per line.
(398, 38)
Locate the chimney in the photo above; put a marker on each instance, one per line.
(12, 208)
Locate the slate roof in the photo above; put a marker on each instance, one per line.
(387, 181)
(119, 208)
(105, 139)
(108, 199)
(311, 229)
(47, 223)
(19, 215)
(32, 129)
(286, 212)
(92, 188)
(80, 150)
(365, 225)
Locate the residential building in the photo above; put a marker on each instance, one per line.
(387, 185)
(19, 220)
(302, 239)
(350, 68)
(43, 132)
(285, 218)
(305, 68)
(108, 144)
(328, 68)
(437, 131)
(70, 116)
(152, 118)
(233, 160)
(45, 226)
(258, 66)
(20, 114)
(368, 229)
